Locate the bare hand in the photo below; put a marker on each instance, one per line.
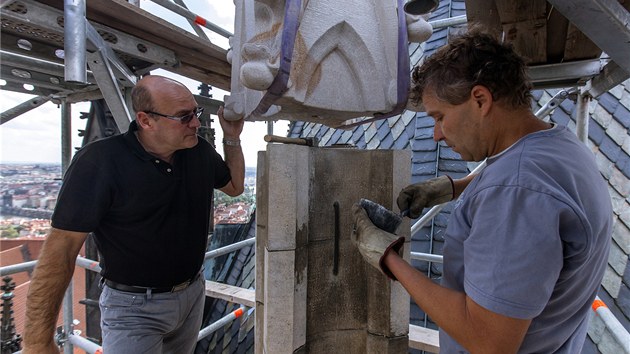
(232, 129)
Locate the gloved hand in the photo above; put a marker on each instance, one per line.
(425, 194)
(372, 242)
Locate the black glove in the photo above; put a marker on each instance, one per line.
(425, 194)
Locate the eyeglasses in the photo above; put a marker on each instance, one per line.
(185, 119)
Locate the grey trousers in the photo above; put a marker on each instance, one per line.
(151, 323)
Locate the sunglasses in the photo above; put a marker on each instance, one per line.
(185, 119)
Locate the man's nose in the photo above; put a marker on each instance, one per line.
(195, 122)
(437, 133)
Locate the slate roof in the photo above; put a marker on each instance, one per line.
(236, 268)
(609, 139)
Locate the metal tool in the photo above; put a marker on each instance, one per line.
(381, 217)
(296, 141)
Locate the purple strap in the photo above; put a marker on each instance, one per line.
(279, 85)
(289, 31)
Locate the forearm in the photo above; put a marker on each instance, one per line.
(52, 274)
(446, 307)
(460, 184)
(236, 163)
(476, 329)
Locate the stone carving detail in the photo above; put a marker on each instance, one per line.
(343, 64)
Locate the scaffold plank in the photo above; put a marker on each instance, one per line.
(231, 293)
(424, 339)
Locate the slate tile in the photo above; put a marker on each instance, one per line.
(560, 117)
(622, 115)
(424, 169)
(424, 121)
(346, 137)
(623, 301)
(424, 145)
(357, 134)
(424, 156)
(401, 144)
(410, 131)
(595, 132)
(567, 105)
(608, 101)
(610, 149)
(334, 139)
(383, 130)
(448, 153)
(601, 116)
(370, 131)
(387, 142)
(424, 133)
(623, 164)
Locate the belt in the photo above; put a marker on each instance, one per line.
(142, 289)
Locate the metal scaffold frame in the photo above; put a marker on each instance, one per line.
(93, 69)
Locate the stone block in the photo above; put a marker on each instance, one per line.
(284, 301)
(259, 328)
(307, 302)
(262, 215)
(377, 344)
(334, 297)
(288, 175)
(387, 305)
(351, 341)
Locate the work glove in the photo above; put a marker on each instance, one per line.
(372, 242)
(416, 197)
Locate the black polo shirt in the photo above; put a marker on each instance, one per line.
(150, 218)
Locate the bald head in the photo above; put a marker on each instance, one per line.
(153, 88)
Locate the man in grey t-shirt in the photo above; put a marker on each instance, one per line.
(527, 242)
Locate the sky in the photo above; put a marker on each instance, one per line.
(36, 136)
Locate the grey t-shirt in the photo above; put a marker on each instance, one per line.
(529, 239)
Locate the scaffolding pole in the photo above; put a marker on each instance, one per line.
(191, 16)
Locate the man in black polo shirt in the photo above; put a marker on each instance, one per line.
(146, 195)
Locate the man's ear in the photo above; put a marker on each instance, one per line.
(143, 120)
(482, 98)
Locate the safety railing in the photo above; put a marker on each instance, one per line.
(67, 339)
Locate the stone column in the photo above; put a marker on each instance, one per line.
(314, 291)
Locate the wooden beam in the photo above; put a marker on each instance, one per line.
(424, 339)
(199, 59)
(231, 293)
(484, 13)
(525, 26)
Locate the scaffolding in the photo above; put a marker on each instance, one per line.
(110, 77)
